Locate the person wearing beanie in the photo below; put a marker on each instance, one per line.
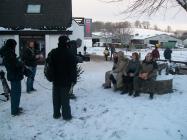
(63, 66)
(14, 74)
(30, 57)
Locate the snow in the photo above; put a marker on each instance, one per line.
(99, 114)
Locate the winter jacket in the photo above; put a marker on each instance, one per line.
(133, 67)
(29, 57)
(13, 66)
(120, 69)
(155, 54)
(64, 67)
(150, 68)
(167, 53)
(106, 52)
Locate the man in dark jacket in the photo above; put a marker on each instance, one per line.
(14, 74)
(30, 59)
(64, 64)
(167, 54)
(112, 50)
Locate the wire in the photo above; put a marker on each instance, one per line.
(42, 85)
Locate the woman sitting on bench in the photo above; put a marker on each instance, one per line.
(131, 71)
(146, 75)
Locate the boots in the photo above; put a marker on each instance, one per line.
(130, 92)
(137, 93)
(151, 96)
(105, 86)
(124, 92)
(115, 87)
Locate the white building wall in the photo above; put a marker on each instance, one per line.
(51, 42)
(88, 42)
(3, 39)
(78, 32)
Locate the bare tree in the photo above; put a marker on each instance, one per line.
(109, 26)
(155, 27)
(149, 6)
(97, 26)
(137, 24)
(145, 24)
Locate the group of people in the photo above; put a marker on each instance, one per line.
(129, 75)
(108, 51)
(167, 53)
(17, 67)
(63, 63)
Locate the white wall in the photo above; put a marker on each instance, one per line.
(52, 40)
(87, 42)
(78, 32)
(3, 38)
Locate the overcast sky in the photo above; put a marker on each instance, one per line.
(100, 11)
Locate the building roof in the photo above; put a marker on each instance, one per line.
(141, 34)
(40, 14)
(34, 32)
(163, 35)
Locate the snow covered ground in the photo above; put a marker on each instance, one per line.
(99, 114)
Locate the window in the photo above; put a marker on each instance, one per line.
(33, 9)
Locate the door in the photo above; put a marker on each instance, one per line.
(40, 40)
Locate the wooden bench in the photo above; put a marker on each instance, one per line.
(158, 87)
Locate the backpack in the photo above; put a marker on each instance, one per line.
(48, 68)
(106, 52)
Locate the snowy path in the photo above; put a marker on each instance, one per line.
(99, 114)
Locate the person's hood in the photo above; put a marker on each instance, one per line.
(121, 56)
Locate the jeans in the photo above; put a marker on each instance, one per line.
(15, 96)
(61, 101)
(30, 79)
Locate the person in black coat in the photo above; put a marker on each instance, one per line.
(14, 74)
(30, 58)
(167, 54)
(63, 62)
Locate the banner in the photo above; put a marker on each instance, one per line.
(88, 28)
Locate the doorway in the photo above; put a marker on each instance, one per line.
(40, 40)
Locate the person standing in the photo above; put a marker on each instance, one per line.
(30, 58)
(63, 65)
(14, 74)
(155, 53)
(106, 53)
(85, 48)
(167, 54)
(112, 50)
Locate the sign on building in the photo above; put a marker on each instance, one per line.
(88, 28)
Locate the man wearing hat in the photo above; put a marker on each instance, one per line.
(63, 63)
